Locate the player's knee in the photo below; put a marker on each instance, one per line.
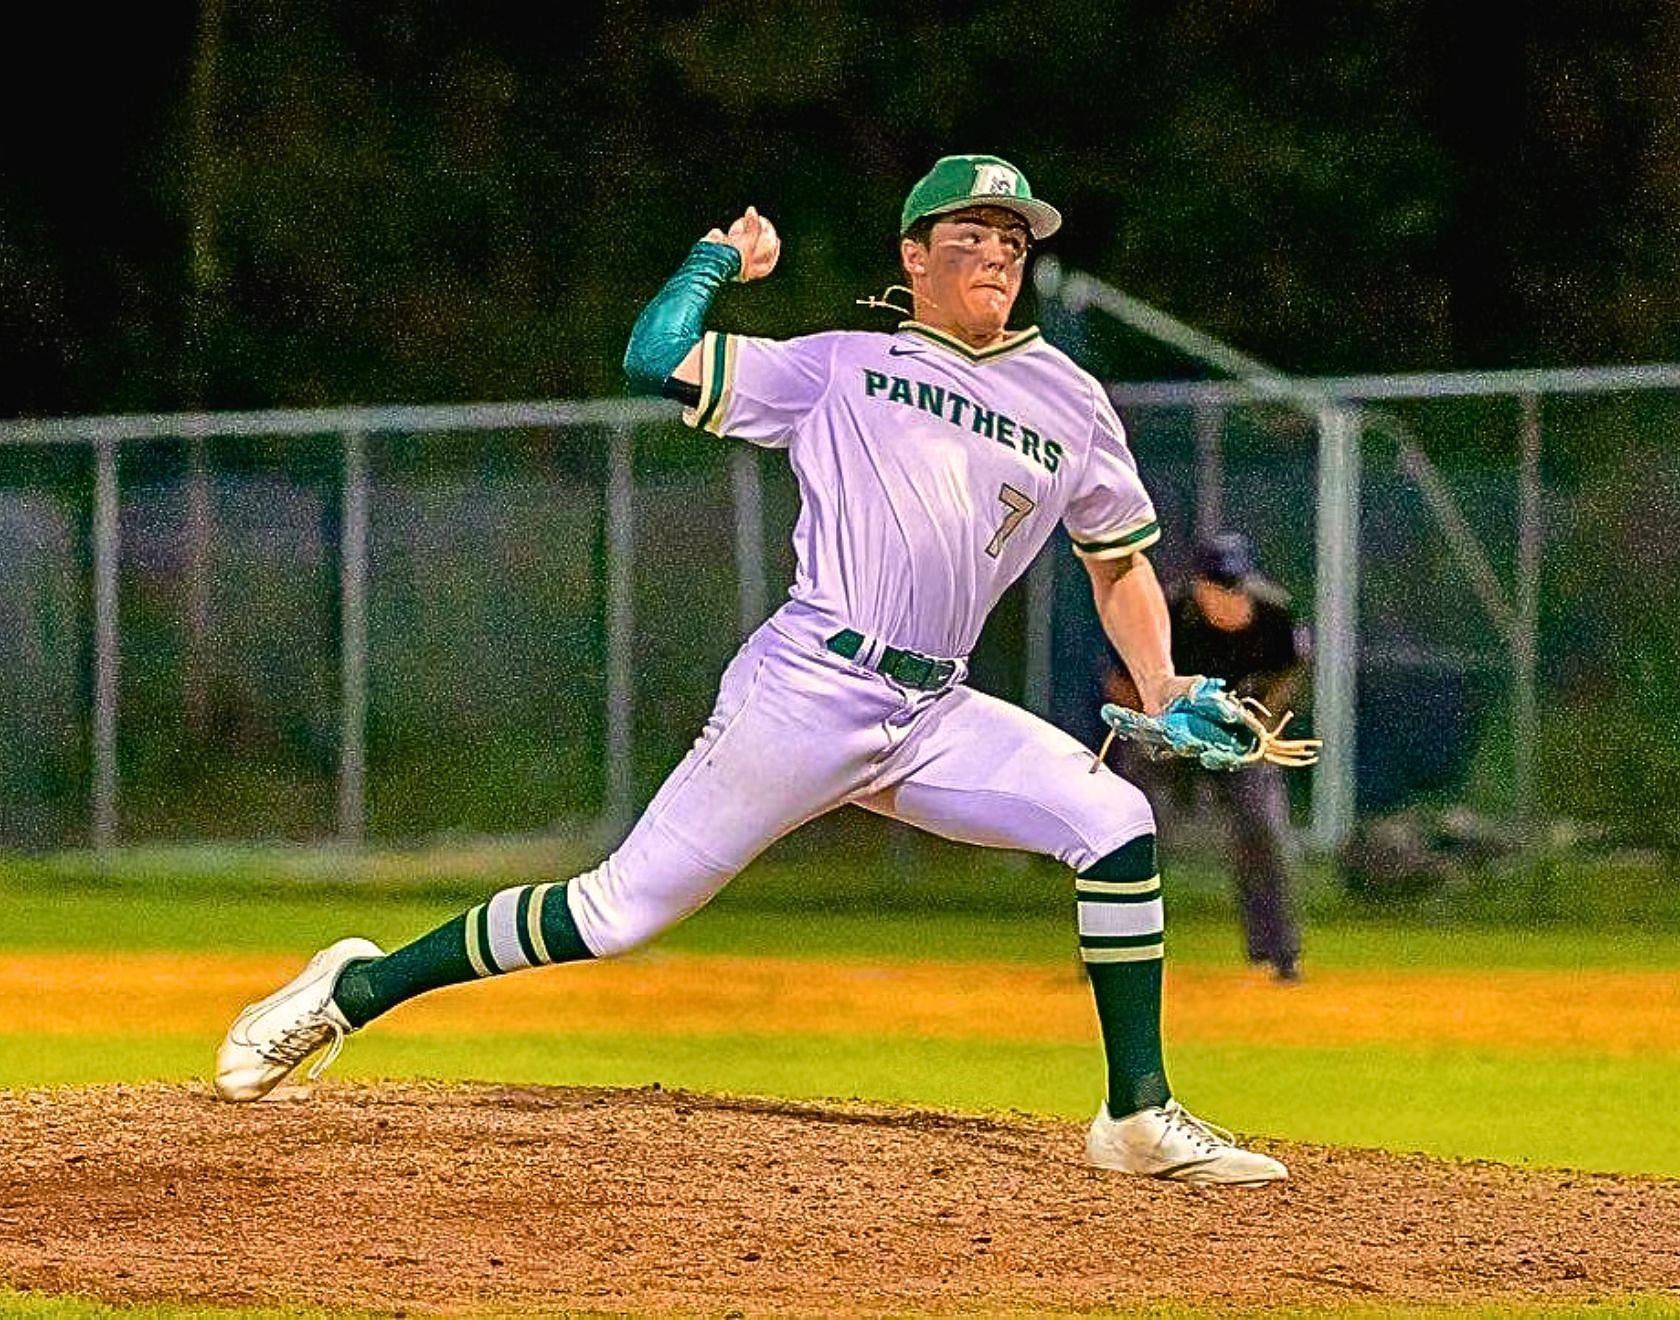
(1133, 807)
(619, 908)
(610, 920)
(1118, 811)
(1133, 862)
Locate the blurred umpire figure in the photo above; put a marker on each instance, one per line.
(1229, 622)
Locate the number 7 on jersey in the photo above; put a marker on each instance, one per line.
(1019, 505)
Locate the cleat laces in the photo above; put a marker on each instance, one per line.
(302, 1041)
(1207, 1136)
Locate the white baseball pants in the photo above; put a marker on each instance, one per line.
(798, 731)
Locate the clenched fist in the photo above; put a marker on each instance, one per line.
(755, 238)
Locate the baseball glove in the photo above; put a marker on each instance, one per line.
(1213, 727)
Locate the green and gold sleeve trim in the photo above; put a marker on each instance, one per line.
(1009, 344)
(1140, 537)
(717, 376)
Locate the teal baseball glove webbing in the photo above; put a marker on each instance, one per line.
(1212, 727)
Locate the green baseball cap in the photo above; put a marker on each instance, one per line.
(957, 182)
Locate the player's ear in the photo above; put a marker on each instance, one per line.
(913, 256)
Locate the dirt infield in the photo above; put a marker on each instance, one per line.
(450, 1198)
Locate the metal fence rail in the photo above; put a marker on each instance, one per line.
(1339, 418)
(1343, 408)
(354, 429)
(105, 434)
(1346, 419)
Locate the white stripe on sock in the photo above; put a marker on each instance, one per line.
(1120, 918)
(505, 948)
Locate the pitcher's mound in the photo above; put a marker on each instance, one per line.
(450, 1198)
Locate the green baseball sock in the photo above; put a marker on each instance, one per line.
(1120, 940)
(528, 926)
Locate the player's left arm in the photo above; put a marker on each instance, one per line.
(1111, 521)
(1134, 615)
(1185, 715)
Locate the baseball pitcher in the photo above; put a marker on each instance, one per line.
(933, 463)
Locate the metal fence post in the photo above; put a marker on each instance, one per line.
(1525, 634)
(619, 807)
(749, 536)
(1335, 670)
(107, 645)
(1210, 470)
(353, 634)
(1041, 603)
(196, 662)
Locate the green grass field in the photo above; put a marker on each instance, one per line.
(1450, 1101)
(1583, 1108)
(65, 1308)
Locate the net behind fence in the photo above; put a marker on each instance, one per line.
(544, 610)
(1442, 659)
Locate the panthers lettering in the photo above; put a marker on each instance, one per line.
(902, 443)
(994, 425)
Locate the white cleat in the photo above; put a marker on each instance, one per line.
(274, 1035)
(1171, 1142)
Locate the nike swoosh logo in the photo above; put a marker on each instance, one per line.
(896, 351)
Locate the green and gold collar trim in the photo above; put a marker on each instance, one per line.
(1020, 339)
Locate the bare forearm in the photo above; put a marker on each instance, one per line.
(1134, 614)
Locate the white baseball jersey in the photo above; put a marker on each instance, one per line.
(930, 474)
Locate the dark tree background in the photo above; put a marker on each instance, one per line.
(269, 203)
(294, 201)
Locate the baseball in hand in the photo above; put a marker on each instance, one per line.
(756, 239)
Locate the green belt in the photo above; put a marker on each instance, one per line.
(921, 672)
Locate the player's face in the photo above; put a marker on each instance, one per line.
(969, 275)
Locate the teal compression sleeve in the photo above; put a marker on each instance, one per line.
(673, 322)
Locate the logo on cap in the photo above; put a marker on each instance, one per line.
(994, 181)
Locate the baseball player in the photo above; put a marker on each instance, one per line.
(933, 463)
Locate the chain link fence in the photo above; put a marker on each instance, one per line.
(1511, 586)
(399, 623)
(386, 623)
